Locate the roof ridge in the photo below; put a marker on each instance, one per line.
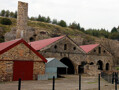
(47, 38)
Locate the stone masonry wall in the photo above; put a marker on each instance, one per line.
(56, 50)
(72, 52)
(22, 19)
(19, 52)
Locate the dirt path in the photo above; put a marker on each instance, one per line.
(68, 83)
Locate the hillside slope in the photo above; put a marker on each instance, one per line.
(53, 30)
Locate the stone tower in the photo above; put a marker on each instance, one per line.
(22, 17)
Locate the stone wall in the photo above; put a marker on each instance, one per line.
(56, 50)
(22, 17)
(72, 52)
(19, 52)
(94, 56)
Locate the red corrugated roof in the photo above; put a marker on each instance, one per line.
(37, 45)
(88, 48)
(5, 46)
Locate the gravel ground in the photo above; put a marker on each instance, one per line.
(70, 82)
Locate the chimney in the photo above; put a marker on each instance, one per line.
(22, 16)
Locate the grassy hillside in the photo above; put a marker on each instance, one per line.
(77, 35)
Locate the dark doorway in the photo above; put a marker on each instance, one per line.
(70, 69)
(107, 66)
(100, 65)
(81, 67)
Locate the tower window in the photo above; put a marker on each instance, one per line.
(94, 50)
(104, 51)
(31, 39)
(99, 50)
(55, 46)
(65, 46)
(74, 48)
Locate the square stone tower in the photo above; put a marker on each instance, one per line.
(22, 16)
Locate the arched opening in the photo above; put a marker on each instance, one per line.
(81, 67)
(65, 46)
(91, 63)
(100, 65)
(69, 70)
(99, 50)
(107, 66)
(31, 39)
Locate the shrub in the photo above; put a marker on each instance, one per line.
(5, 21)
(117, 68)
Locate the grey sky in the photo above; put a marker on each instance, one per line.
(89, 13)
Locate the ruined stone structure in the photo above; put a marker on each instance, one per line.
(22, 30)
(97, 58)
(78, 61)
(22, 17)
(19, 51)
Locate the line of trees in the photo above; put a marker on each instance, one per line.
(7, 13)
(74, 25)
(114, 34)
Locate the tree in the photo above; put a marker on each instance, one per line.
(39, 18)
(11, 14)
(2, 13)
(82, 29)
(73, 25)
(114, 29)
(114, 35)
(5, 21)
(62, 23)
(7, 13)
(43, 19)
(15, 14)
(54, 21)
(33, 18)
(48, 20)
(78, 26)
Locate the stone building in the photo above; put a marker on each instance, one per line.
(97, 59)
(89, 59)
(62, 48)
(19, 60)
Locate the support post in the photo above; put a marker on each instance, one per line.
(19, 84)
(99, 82)
(115, 81)
(53, 83)
(79, 81)
(113, 78)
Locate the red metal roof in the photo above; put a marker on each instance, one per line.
(5, 46)
(37, 45)
(88, 48)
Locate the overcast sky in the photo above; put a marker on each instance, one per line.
(89, 13)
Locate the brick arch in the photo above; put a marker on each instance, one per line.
(100, 64)
(69, 63)
(107, 66)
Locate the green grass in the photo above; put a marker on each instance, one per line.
(51, 29)
(117, 68)
(92, 82)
